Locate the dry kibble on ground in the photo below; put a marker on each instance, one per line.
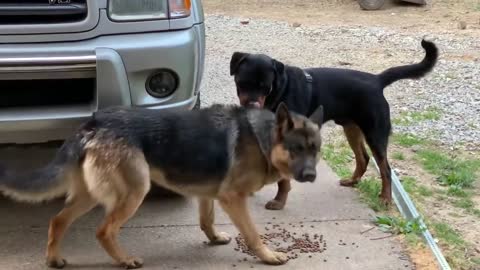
(284, 240)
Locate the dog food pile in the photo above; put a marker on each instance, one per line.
(280, 239)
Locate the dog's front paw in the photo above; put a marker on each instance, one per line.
(132, 263)
(222, 238)
(348, 182)
(275, 205)
(58, 263)
(275, 258)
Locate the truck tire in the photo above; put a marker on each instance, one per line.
(371, 4)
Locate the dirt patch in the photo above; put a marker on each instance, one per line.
(437, 16)
(422, 258)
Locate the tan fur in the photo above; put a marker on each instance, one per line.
(356, 140)
(117, 177)
(114, 176)
(235, 204)
(280, 158)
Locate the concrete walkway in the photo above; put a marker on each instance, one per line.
(165, 231)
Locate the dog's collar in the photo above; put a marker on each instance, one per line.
(308, 77)
(281, 92)
(309, 89)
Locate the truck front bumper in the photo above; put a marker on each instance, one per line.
(120, 65)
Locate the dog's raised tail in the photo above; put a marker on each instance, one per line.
(45, 183)
(413, 71)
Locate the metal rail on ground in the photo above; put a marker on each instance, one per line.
(407, 209)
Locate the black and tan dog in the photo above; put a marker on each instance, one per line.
(221, 153)
(351, 98)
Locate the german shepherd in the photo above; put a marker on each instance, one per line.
(220, 152)
(351, 98)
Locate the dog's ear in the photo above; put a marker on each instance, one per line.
(283, 119)
(237, 58)
(317, 116)
(278, 66)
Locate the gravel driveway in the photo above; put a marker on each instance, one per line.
(453, 88)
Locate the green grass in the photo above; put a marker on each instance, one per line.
(407, 140)
(477, 8)
(445, 233)
(456, 246)
(369, 190)
(398, 156)
(409, 184)
(465, 203)
(424, 191)
(398, 225)
(450, 171)
(338, 158)
(442, 198)
(457, 191)
(476, 260)
(413, 240)
(408, 118)
(413, 188)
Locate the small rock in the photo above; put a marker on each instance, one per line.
(343, 63)
(296, 24)
(462, 25)
(245, 21)
(415, 148)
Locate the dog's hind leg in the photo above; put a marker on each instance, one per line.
(78, 203)
(235, 204)
(207, 218)
(378, 143)
(356, 141)
(121, 189)
(280, 199)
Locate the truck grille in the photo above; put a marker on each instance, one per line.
(42, 11)
(46, 92)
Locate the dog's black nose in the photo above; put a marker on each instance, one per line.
(309, 175)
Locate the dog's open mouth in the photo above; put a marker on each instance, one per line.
(254, 104)
(249, 102)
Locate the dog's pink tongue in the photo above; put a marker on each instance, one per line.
(255, 104)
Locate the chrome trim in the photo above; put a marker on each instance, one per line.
(53, 60)
(44, 67)
(81, 67)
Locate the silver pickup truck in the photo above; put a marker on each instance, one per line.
(61, 60)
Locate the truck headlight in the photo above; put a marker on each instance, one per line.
(142, 10)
